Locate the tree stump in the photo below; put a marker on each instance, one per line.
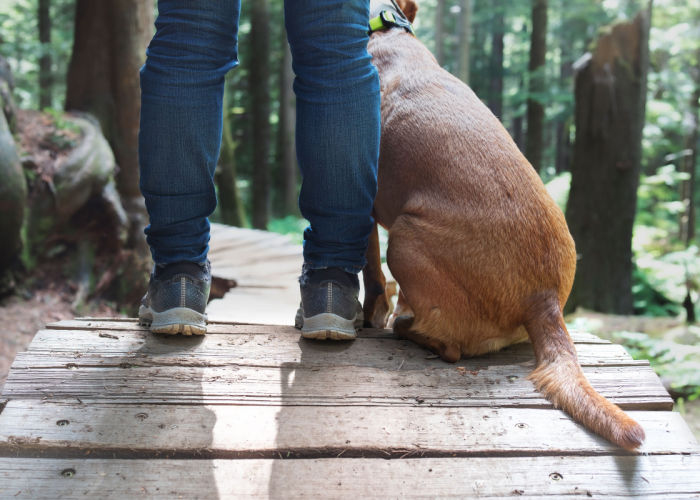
(610, 93)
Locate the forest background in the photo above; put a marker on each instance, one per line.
(614, 138)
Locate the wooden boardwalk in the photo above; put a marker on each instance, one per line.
(103, 409)
(265, 267)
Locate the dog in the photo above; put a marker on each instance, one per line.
(482, 254)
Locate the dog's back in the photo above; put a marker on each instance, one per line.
(481, 252)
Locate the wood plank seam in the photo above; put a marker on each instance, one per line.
(19, 448)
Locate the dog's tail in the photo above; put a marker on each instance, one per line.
(559, 378)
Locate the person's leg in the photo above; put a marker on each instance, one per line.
(182, 86)
(338, 123)
(337, 92)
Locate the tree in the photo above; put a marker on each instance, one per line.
(286, 150)
(45, 77)
(13, 198)
(566, 35)
(259, 86)
(535, 109)
(464, 44)
(230, 202)
(689, 160)
(610, 99)
(689, 167)
(103, 78)
(495, 101)
(440, 32)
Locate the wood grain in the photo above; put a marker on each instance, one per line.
(35, 428)
(485, 477)
(299, 384)
(96, 348)
(233, 327)
(238, 398)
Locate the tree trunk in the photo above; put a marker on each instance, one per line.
(478, 77)
(286, 147)
(495, 101)
(45, 76)
(688, 166)
(535, 109)
(103, 79)
(517, 132)
(465, 33)
(259, 85)
(562, 154)
(230, 202)
(610, 93)
(562, 125)
(13, 198)
(440, 32)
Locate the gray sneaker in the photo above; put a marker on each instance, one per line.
(329, 307)
(177, 298)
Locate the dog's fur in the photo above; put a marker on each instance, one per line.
(481, 252)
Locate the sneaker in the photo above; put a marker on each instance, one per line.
(176, 299)
(329, 307)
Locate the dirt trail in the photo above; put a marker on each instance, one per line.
(21, 316)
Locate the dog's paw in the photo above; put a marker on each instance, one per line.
(402, 324)
(377, 312)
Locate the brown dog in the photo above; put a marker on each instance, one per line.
(482, 254)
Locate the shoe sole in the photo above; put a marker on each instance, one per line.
(328, 326)
(178, 320)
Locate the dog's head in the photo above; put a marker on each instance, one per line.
(409, 7)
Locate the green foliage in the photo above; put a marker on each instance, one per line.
(675, 49)
(66, 133)
(290, 225)
(665, 270)
(675, 363)
(19, 44)
(648, 299)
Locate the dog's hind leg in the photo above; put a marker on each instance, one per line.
(403, 328)
(416, 317)
(376, 305)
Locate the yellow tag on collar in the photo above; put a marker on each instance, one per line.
(376, 24)
(386, 20)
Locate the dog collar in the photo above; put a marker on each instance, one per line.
(388, 18)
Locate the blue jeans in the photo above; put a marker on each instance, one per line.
(337, 134)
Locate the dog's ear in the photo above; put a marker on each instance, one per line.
(409, 7)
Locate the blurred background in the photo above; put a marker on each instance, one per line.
(601, 96)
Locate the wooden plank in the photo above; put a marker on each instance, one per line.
(253, 305)
(81, 319)
(229, 327)
(577, 336)
(528, 477)
(631, 387)
(220, 232)
(33, 428)
(97, 348)
(264, 253)
(231, 243)
(218, 229)
(242, 234)
(277, 272)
